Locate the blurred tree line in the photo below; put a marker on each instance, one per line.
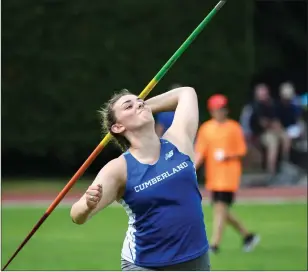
(62, 59)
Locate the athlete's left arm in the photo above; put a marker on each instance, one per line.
(184, 127)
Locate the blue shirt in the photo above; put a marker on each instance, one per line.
(165, 119)
(288, 113)
(163, 204)
(303, 100)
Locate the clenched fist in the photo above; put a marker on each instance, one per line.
(94, 195)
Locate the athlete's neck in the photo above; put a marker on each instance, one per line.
(145, 145)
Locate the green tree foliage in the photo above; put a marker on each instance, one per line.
(63, 58)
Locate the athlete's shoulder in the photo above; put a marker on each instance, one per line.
(120, 160)
(116, 166)
(113, 173)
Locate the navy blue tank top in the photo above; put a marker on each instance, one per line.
(163, 204)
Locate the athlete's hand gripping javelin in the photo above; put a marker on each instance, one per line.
(94, 195)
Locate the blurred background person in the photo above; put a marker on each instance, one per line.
(289, 114)
(303, 100)
(221, 145)
(245, 121)
(267, 128)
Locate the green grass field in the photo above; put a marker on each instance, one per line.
(62, 245)
(42, 185)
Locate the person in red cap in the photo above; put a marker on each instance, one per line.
(220, 145)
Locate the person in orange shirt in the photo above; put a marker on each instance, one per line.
(220, 145)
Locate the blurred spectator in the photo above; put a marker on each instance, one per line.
(220, 145)
(245, 121)
(301, 101)
(304, 100)
(163, 120)
(265, 125)
(253, 158)
(288, 112)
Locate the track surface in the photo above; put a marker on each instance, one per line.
(266, 195)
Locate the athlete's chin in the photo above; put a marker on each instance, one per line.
(145, 122)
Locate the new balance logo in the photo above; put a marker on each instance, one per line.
(169, 155)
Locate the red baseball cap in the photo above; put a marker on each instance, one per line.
(216, 102)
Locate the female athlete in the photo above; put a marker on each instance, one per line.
(155, 182)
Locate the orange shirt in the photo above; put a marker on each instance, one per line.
(212, 138)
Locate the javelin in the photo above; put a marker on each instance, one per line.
(107, 138)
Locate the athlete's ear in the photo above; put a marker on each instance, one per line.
(117, 128)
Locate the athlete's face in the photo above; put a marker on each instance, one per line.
(131, 113)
